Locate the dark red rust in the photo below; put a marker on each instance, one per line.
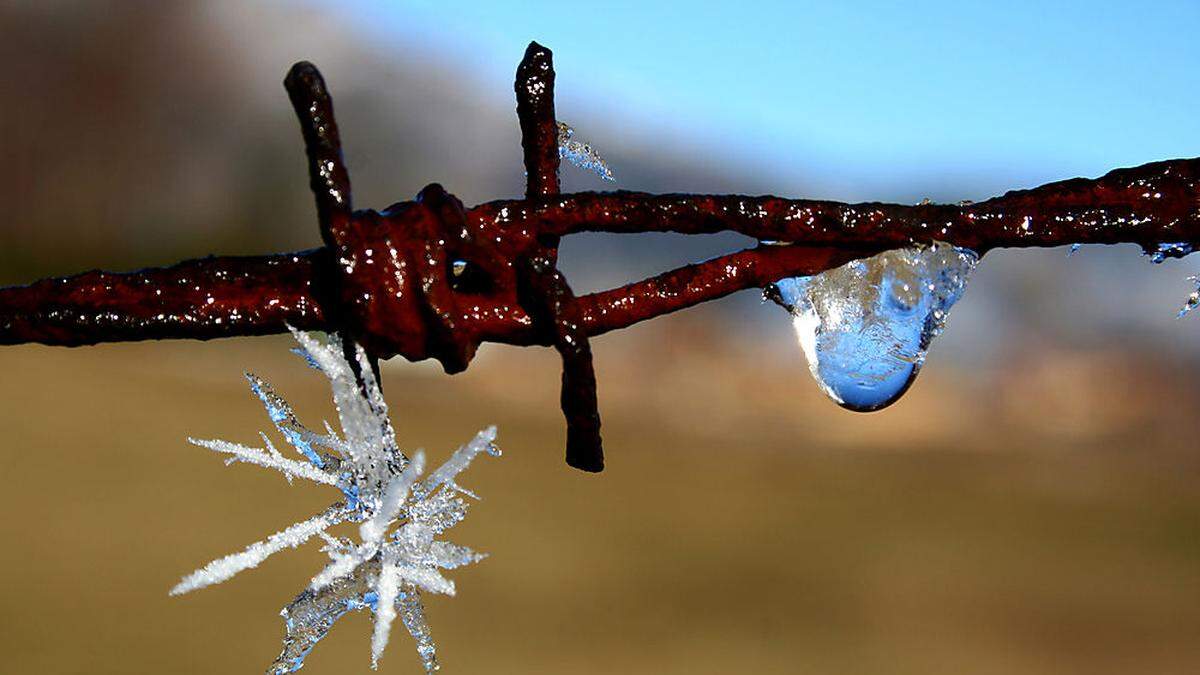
(693, 284)
(198, 299)
(545, 291)
(428, 278)
(553, 305)
(328, 177)
(327, 174)
(1149, 204)
(534, 87)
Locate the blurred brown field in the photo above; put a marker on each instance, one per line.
(744, 524)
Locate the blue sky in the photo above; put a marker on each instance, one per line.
(883, 100)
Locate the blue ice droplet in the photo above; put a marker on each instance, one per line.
(865, 327)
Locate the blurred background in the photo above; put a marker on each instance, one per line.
(1030, 506)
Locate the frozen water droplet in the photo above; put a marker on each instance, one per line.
(581, 154)
(1193, 300)
(865, 327)
(1174, 249)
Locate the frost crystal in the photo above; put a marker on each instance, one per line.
(581, 154)
(1192, 300)
(1175, 249)
(865, 327)
(400, 514)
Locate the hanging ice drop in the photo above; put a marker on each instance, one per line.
(865, 327)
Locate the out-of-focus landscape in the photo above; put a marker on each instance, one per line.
(1032, 505)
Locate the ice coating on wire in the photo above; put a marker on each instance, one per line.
(1193, 299)
(400, 514)
(1170, 249)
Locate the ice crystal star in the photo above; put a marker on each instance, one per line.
(400, 514)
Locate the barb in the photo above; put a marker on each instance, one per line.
(534, 87)
(555, 306)
(545, 290)
(327, 174)
(328, 177)
(428, 278)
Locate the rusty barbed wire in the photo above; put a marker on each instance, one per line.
(429, 278)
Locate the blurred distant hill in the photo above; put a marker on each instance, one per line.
(144, 132)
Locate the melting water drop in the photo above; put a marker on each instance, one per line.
(865, 327)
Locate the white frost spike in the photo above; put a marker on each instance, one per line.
(288, 467)
(412, 613)
(461, 459)
(581, 154)
(373, 530)
(387, 590)
(275, 454)
(223, 568)
(364, 419)
(399, 515)
(426, 578)
(449, 556)
(343, 564)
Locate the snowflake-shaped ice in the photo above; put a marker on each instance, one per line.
(400, 514)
